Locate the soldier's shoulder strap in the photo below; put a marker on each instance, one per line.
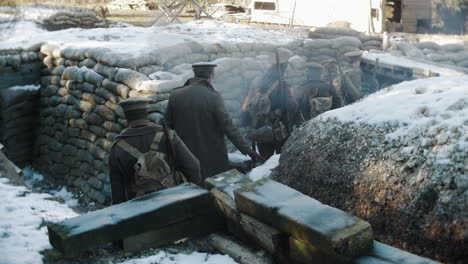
(129, 148)
(156, 140)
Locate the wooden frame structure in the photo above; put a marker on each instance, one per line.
(175, 8)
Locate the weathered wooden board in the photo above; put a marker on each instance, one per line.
(303, 252)
(384, 254)
(150, 212)
(198, 225)
(329, 229)
(238, 252)
(265, 236)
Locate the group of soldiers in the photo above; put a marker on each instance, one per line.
(189, 144)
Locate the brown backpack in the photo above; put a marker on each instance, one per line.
(152, 172)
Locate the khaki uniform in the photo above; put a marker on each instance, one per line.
(265, 108)
(121, 163)
(198, 115)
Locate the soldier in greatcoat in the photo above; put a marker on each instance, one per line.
(198, 115)
(140, 134)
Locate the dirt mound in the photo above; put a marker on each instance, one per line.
(406, 176)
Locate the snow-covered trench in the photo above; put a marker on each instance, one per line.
(87, 72)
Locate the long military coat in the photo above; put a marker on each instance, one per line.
(121, 172)
(198, 115)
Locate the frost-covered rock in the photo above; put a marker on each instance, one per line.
(398, 159)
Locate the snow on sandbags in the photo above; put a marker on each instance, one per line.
(18, 122)
(450, 54)
(70, 19)
(368, 41)
(158, 86)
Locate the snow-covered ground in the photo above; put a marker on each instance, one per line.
(23, 219)
(428, 109)
(24, 215)
(135, 40)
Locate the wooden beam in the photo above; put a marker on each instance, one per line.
(198, 225)
(150, 212)
(238, 252)
(304, 218)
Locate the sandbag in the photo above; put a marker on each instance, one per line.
(116, 108)
(452, 47)
(93, 118)
(79, 123)
(345, 42)
(410, 50)
(69, 99)
(92, 98)
(84, 106)
(427, 45)
(86, 87)
(97, 130)
(88, 63)
(105, 70)
(158, 86)
(105, 112)
(106, 94)
(63, 91)
(117, 88)
(130, 78)
(112, 127)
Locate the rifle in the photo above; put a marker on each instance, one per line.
(284, 95)
(375, 82)
(179, 177)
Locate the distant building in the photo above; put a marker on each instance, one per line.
(370, 16)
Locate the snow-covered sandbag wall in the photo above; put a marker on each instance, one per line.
(18, 104)
(397, 159)
(18, 122)
(369, 42)
(20, 66)
(448, 54)
(81, 89)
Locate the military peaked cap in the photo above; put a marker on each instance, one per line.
(135, 103)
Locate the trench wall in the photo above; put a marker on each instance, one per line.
(77, 107)
(19, 75)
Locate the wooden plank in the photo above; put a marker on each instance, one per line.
(304, 252)
(227, 208)
(384, 254)
(329, 229)
(150, 212)
(269, 238)
(238, 252)
(199, 225)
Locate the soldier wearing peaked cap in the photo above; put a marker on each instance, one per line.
(197, 113)
(314, 96)
(145, 149)
(268, 106)
(352, 77)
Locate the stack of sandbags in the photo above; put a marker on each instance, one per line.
(332, 32)
(449, 54)
(19, 122)
(371, 42)
(15, 57)
(71, 19)
(320, 50)
(80, 115)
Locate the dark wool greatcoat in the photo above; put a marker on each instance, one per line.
(121, 163)
(198, 115)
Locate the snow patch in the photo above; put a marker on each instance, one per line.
(264, 170)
